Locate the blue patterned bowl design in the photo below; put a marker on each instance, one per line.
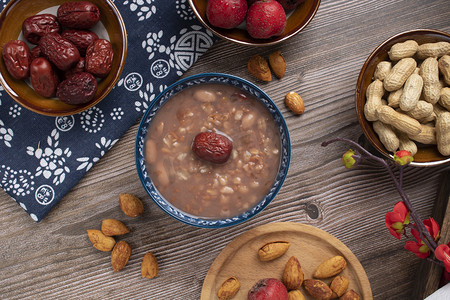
(177, 87)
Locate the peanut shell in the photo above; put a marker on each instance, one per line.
(111, 227)
(317, 289)
(120, 255)
(330, 267)
(131, 205)
(229, 288)
(258, 67)
(149, 266)
(101, 241)
(293, 274)
(277, 64)
(273, 250)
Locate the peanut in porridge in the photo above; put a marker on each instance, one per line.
(199, 187)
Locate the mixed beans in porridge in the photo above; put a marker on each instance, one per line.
(200, 187)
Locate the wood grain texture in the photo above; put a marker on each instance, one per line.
(430, 274)
(55, 260)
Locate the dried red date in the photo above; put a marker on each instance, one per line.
(79, 15)
(77, 89)
(35, 53)
(35, 27)
(78, 68)
(80, 38)
(59, 51)
(44, 78)
(17, 57)
(212, 147)
(99, 57)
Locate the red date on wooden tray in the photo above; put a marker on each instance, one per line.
(79, 15)
(59, 51)
(80, 38)
(77, 89)
(44, 78)
(99, 57)
(17, 58)
(35, 27)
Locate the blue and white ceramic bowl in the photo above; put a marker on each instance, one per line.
(165, 96)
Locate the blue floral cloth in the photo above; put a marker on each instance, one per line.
(42, 158)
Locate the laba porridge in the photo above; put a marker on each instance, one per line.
(200, 187)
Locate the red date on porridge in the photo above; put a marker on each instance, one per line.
(17, 58)
(35, 27)
(244, 127)
(78, 14)
(212, 147)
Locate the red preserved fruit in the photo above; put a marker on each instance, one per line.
(35, 27)
(265, 19)
(79, 15)
(226, 13)
(268, 289)
(212, 147)
(60, 51)
(82, 39)
(44, 78)
(99, 57)
(17, 57)
(79, 88)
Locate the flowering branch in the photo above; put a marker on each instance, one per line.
(425, 232)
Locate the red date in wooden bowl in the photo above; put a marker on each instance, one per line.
(35, 27)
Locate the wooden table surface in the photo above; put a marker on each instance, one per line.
(55, 259)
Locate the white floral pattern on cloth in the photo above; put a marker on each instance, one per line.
(42, 158)
(52, 159)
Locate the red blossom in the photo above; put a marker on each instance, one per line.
(419, 247)
(403, 157)
(397, 219)
(442, 253)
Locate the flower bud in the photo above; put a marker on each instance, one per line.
(403, 157)
(348, 159)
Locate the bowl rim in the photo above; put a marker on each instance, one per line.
(77, 109)
(358, 91)
(262, 43)
(201, 221)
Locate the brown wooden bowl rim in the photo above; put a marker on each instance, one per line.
(257, 42)
(360, 94)
(76, 108)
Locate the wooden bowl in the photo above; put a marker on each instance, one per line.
(110, 27)
(297, 19)
(427, 155)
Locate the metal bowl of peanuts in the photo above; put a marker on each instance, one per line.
(403, 96)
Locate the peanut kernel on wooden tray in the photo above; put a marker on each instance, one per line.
(418, 100)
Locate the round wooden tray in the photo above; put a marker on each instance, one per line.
(309, 244)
